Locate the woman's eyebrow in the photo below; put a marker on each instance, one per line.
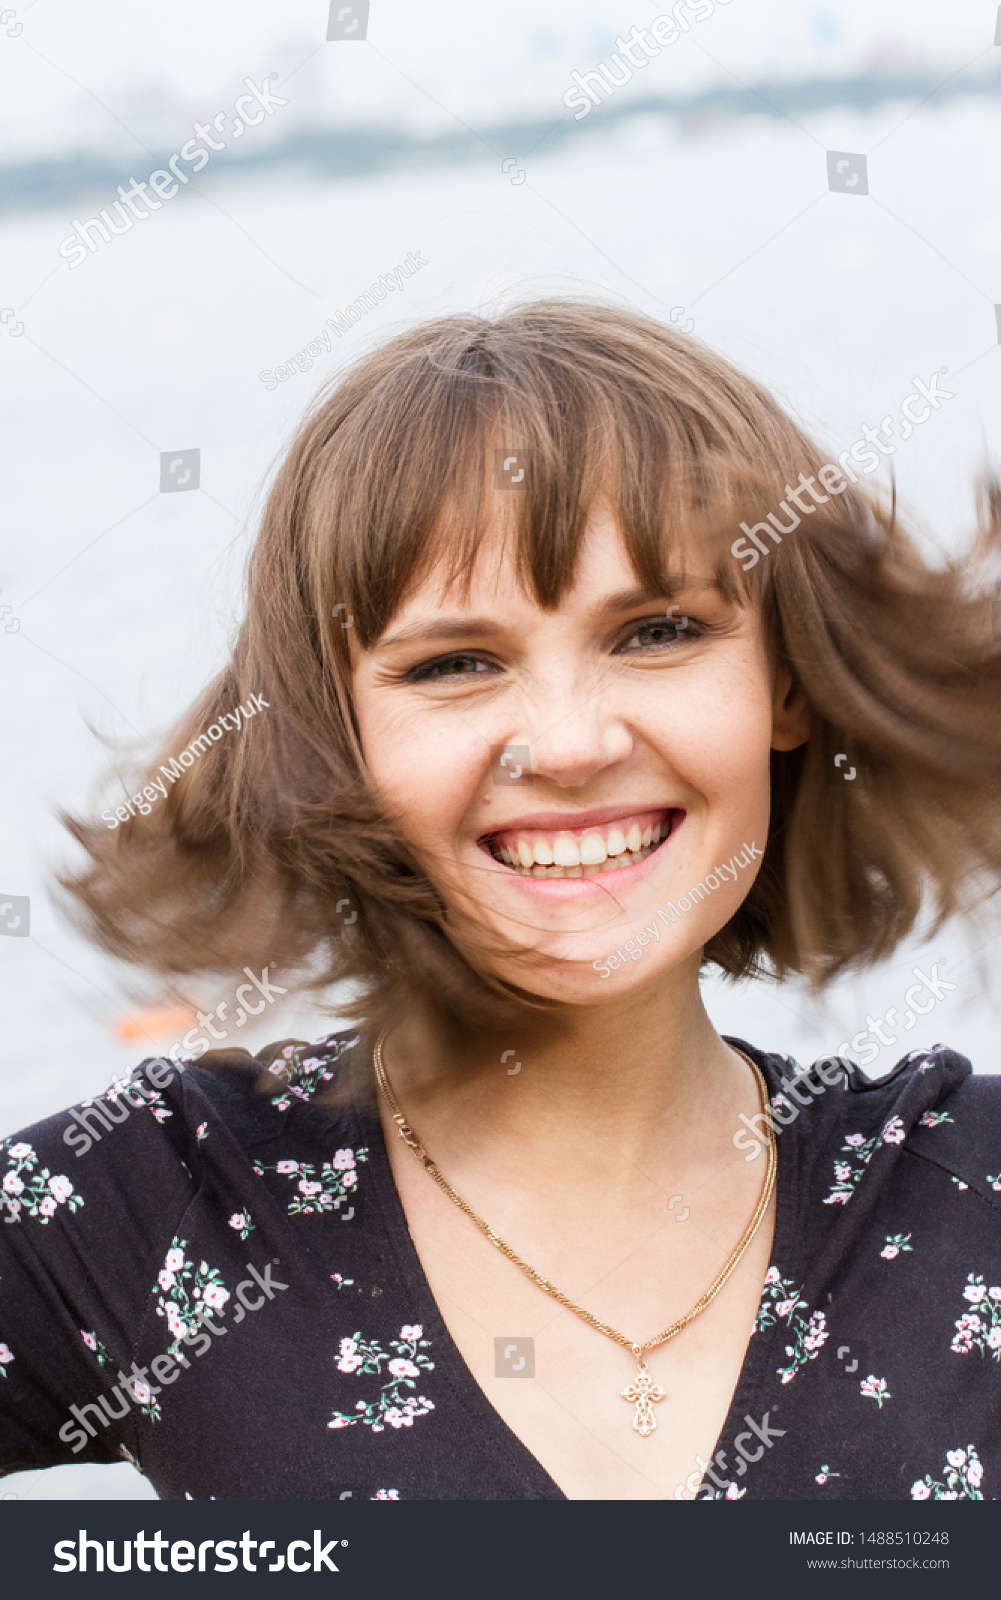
(463, 627)
(443, 628)
(676, 583)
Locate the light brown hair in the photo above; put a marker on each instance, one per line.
(264, 847)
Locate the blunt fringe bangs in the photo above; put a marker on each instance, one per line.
(394, 476)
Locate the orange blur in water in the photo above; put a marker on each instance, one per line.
(152, 1022)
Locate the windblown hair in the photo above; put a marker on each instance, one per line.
(272, 847)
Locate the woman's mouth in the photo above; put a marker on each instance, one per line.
(581, 852)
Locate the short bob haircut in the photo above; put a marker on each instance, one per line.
(265, 841)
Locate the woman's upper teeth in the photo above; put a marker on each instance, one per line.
(529, 847)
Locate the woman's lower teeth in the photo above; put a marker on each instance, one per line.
(627, 859)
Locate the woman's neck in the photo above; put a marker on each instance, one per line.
(628, 1084)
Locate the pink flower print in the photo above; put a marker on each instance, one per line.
(874, 1388)
(974, 1292)
(340, 1422)
(309, 1186)
(816, 1331)
(894, 1133)
(282, 1105)
(13, 1206)
(12, 1183)
(61, 1188)
(48, 1207)
(895, 1242)
(415, 1330)
(350, 1178)
(21, 1151)
(174, 1260)
(89, 1340)
(277, 1067)
(920, 1490)
(995, 1292)
(784, 1307)
(166, 1279)
(202, 1130)
(285, 1167)
(396, 1418)
(962, 1344)
(975, 1474)
(175, 1322)
(349, 1360)
(855, 1138)
(6, 1355)
(772, 1275)
(343, 1160)
(842, 1171)
(401, 1368)
(141, 1391)
(994, 1339)
(382, 1494)
(732, 1493)
(955, 1458)
(215, 1296)
(238, 1220)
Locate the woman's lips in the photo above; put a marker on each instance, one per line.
(586, 850)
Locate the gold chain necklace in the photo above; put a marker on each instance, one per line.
(642, 1392)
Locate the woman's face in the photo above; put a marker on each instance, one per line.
(567, 777)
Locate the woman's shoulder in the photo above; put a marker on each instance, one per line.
(254, 1096)
(931, 1105)
(156, 1131)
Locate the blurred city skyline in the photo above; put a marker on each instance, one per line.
(440, 75)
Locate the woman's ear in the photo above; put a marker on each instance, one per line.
(791, 719)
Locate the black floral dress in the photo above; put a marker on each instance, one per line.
(216, 1282)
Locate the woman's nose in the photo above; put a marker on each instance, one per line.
(571, 745)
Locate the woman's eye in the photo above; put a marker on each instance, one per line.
(458, 666)
(659, 631)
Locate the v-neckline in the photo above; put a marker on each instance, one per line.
(470, 1393)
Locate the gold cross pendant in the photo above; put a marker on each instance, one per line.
(643, 1392)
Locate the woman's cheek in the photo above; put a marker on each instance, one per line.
(724, 734)
(425, 775)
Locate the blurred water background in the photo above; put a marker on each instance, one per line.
(697, 192)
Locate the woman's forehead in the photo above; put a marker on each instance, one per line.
(494, 595)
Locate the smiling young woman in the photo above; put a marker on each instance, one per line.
(556, 753)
